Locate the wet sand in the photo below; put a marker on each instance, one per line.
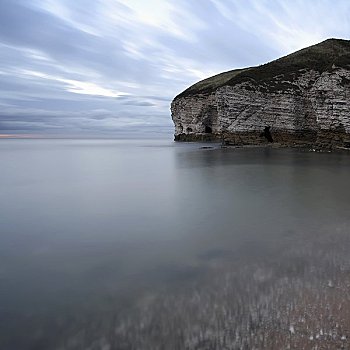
(293, 295)
(295, 298)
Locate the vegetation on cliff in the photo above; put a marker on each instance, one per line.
(322, 57)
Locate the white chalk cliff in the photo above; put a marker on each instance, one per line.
(302, 99)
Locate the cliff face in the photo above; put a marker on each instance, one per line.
(301, 99)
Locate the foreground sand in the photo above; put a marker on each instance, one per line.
(298, 297)
(292, 293)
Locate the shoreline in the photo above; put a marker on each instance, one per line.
(274, 145)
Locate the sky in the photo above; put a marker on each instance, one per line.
(110, 68)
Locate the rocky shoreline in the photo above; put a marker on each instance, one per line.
(299, 302)
(322, 146)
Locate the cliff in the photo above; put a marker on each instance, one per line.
(302, 99)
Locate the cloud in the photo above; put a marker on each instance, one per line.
(113, 66)
(76, 86)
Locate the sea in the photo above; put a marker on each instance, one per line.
(152, 244)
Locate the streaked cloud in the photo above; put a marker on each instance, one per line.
(112, 67)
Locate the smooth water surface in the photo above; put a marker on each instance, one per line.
(92, 229)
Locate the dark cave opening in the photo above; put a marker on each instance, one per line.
(267, 134)
(208, 130)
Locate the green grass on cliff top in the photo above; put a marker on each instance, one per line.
(212, 83)
(320, 57)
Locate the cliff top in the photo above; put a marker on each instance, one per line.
(320, 57)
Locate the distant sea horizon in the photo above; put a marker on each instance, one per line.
(115, 136)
